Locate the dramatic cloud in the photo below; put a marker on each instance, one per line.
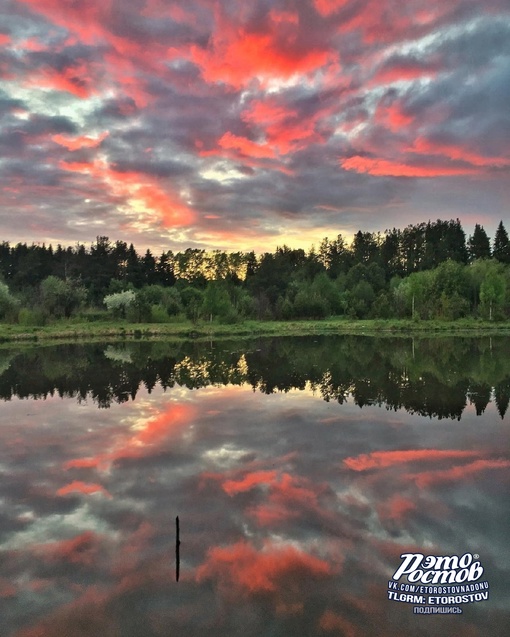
(149, 434)
(238, 126)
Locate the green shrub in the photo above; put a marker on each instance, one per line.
(27, 317)
(120, 303)
(230, 317)
(159, 314)
(92, 315)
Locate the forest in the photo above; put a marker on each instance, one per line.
(425, 271)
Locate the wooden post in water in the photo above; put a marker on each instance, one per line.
(177, 545)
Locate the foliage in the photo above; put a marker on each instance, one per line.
(361, 299)
(479, 246)
(31, 317)
(501, 250)
(421, 272)
(492, 293)
(192, 301)
(216, 302)
(119, 302)
(8, 303)
(61, 298)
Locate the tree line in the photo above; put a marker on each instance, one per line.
(425, 271)
(396, 373)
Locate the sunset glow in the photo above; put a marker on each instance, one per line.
(239, 126)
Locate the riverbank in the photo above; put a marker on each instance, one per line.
(106, 330)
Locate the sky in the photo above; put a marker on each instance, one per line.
(248, 125)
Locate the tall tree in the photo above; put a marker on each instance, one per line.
(119, 256)
(391, 253)
(455, 242)
(189, 265)
(101, 268)
(413, 248)
(165, 268)
(251, 264)
(479, 246)
(502, 396)
(31, 264)
(444, 240)
(492, 292)
(501, 250)
(148, 264)
(134, 269)
(365, 247)
(335, 256)
(215, 300)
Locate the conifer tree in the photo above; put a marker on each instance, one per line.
(501, 250)
(479, 246)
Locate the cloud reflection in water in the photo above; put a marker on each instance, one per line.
(294, 512)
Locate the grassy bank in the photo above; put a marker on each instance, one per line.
(105, 330)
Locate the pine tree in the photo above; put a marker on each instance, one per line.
(479, 246)
(134, 270)
(148, 267)
(502, 396)
(501, 250)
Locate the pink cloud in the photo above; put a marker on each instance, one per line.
(397, 508)
(251, 571)
(81, 549)
(75, 80)
(236, 55)
(283, 128)
(455, 474)
(383, 459)
(245, 146)
(146, 440)
(82, 487)
(390, 168)
(139, 190)
(249, 481)
(77, 143)
(393, 117)
(84, 19)
(328, 7)
(422, 145)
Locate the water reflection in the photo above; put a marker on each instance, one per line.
(294, 510)
(434, 377)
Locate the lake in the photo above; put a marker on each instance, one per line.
(303, 471)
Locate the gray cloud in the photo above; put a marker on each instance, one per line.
(229, 131)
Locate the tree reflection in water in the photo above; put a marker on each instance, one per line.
(434, 377)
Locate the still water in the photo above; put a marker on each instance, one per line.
(301, 470)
